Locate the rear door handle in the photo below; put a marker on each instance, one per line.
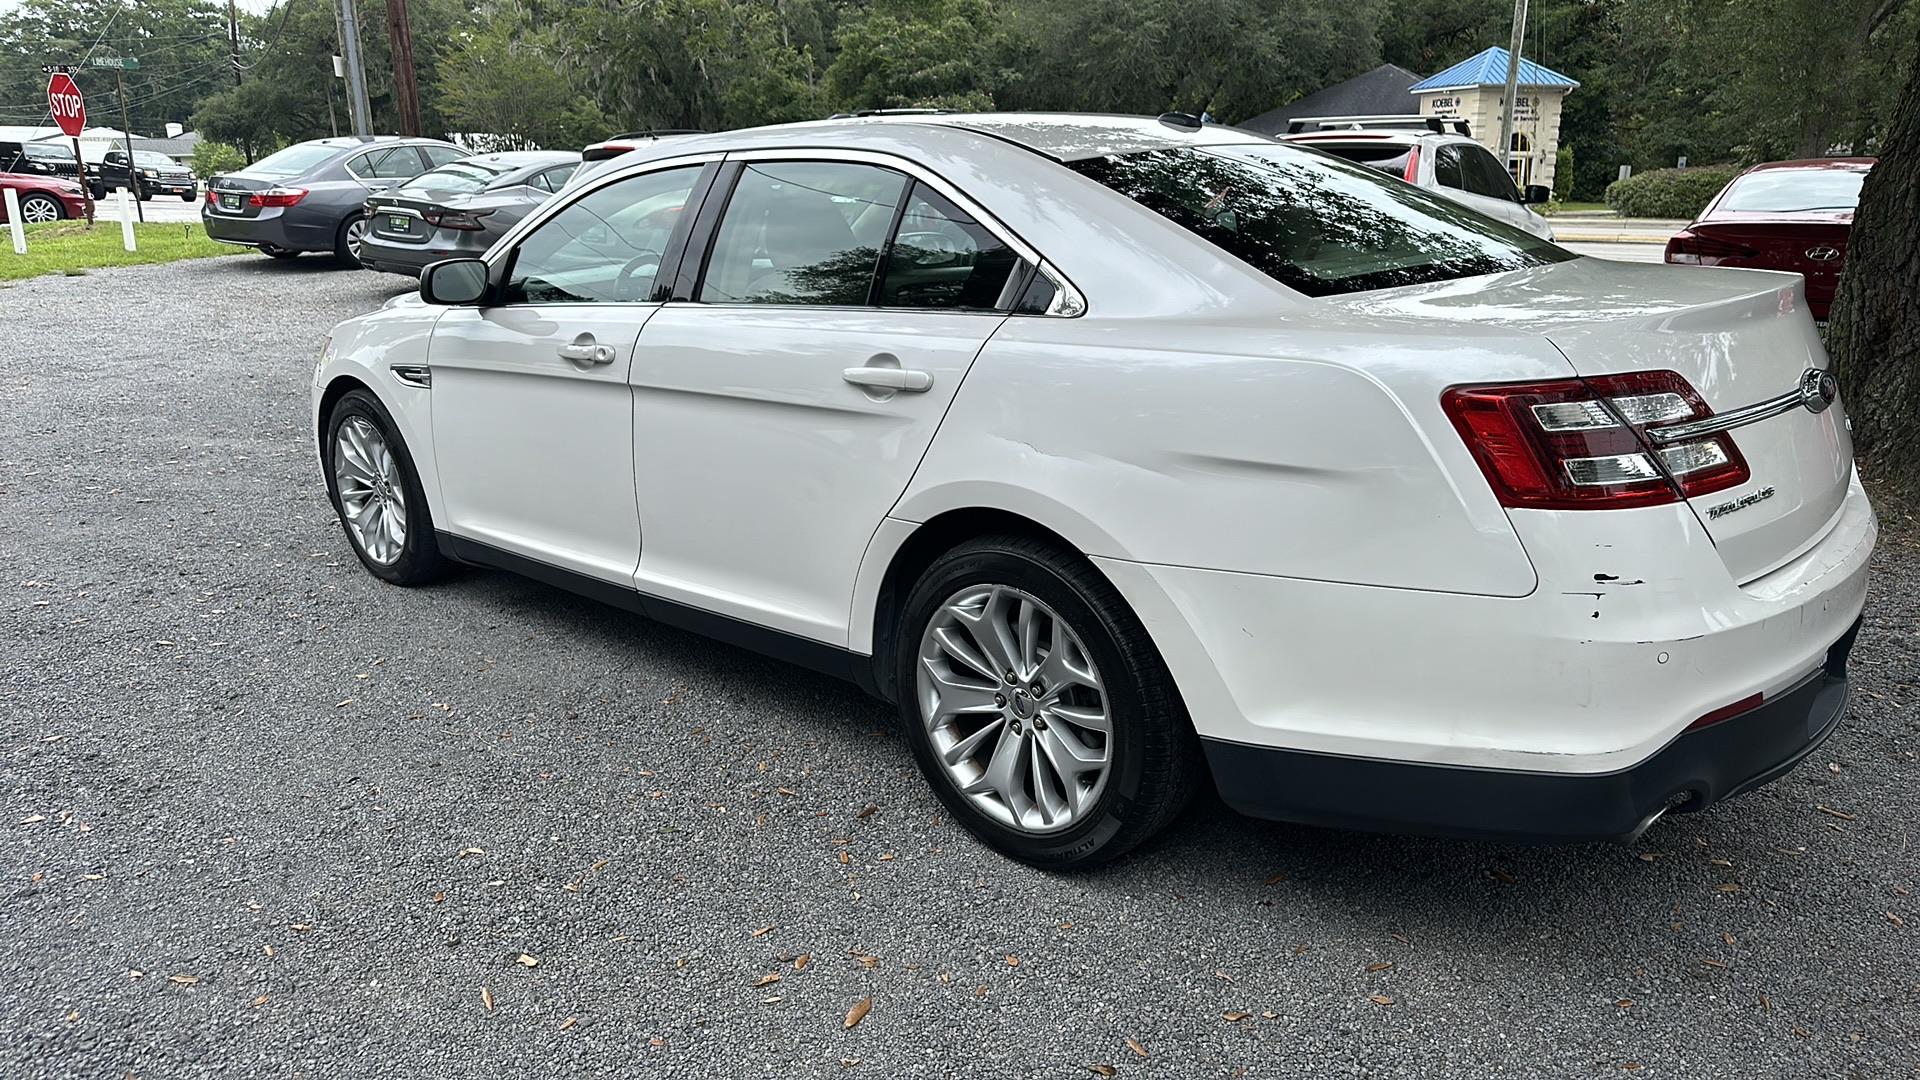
(586, 353)
(889, 378)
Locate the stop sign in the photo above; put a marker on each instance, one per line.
(63, 97)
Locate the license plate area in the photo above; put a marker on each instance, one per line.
(399, 223)
(229, 201)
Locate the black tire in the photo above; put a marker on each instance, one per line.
(29, 202)
(272, 252)
(188, 196)
(1155, 757)
(342, 253)
(420, 560)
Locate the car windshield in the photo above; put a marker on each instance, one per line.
(1315, 223)
(293, 161)
(1783, 191)
(1389, 158)
(151, 157)
(43, 152)
(468, 175)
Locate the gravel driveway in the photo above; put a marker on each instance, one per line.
(267, 817)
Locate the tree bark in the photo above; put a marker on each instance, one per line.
(1874, 335)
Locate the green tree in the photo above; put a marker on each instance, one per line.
(501, 82)
(181, 46)
(931, 54)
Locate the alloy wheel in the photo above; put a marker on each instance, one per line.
(372, 495)
(1014, 708)
(39, 211)
(356, 232)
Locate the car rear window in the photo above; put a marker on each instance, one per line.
(1784, 191)
(292, 161)
(1317, 224)
(1385, 156)
(457, 177)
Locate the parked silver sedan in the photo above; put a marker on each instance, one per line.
(460, 208)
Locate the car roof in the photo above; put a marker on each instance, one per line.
(1850, 164)
(1061, 136)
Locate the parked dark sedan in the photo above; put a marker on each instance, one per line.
(1784, 215)
(459, 209)
(312, 196)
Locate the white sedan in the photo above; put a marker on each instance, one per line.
(1129, 454)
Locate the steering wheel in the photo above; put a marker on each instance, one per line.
(623, 287)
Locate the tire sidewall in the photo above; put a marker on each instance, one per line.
(982, 565)
(341, 252)
(59, 212)
(420, 554)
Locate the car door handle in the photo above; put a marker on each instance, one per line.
(889, 378)
(586, 353)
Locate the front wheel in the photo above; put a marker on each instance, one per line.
(376, 492)
(39, 209)
(1037, 706)
(188, 196)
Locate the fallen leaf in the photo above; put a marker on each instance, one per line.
(1896, 920)
(464, 852)
(1716, 861)
(1380, 965)
(1766, 1002)
(1729, 939)
(1711, 962)
(1134, 1045)
(765, 980)
(869, 962)
(1298, 949)
(1401, 938)
(1275, 879)
(1648, 856)
(1831, 812)
(299, 927)
(1103, 1070)
(1223, 975)
(858, 1013)
(259, 1001)
(1630, 1065)
(1234, 1017)
(845, 858)
(1499, 874)
(569, 1022)
(1625, 1003)
(867, 811)
(1270, 1014)
(183, 980)
(1012, 960)
(1380, 999)
(526, 960)
(763, 931)
(800, 962)
(1731, 886)
(656, 1042)
(486, 998)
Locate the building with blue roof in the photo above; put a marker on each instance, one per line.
(1475, 89)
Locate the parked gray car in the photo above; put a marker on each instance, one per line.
(312, 196)
(459, 209)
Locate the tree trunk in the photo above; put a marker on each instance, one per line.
(1874, 336)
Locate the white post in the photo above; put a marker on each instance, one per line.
(14, 224)
(126, 217)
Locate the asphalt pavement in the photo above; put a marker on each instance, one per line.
(266, 816)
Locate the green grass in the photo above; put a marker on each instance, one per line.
(69, 247)
(1575, 207)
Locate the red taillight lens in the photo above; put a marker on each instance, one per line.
(211, 197)
(456, 219)
(1412, 172)
(1579, 444)
(278, 196)
(1688, 248)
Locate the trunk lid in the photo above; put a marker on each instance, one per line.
(1814, 247)
(1740, 337)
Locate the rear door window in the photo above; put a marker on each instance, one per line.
(1485, 176)
(392, 163)
(802, 232)
(942, 258)
(1318, 225)
(1447, 171)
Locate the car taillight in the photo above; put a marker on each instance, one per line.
(1688, 248)
(1412, 171)
(1727, 712)
(277, 196)
(1580, 444)
(211, 197)
(455, 219)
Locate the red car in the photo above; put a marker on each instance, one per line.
(1784, 215)
(43, 198)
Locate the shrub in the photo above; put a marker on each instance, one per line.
(211, 157)
(1563, 174)
(1669, 193)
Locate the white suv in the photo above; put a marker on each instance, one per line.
(1124, 453)
(1431, 152)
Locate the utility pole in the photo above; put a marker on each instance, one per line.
(233, 39)
(406, 91)
(1513, 81)
(126, 132)
(358, 109)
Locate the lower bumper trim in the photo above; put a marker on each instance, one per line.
(1692, 772)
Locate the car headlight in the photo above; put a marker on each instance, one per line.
(148, 172)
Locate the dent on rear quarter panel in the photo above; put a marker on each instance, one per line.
(1291, 450)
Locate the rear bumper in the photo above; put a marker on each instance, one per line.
(1694, 771)
(392, 258)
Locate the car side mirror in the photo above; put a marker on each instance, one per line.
(454, 282)
(1536, 194)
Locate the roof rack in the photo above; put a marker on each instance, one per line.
(1439, 125)
(856, 113)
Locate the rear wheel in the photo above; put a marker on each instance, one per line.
(346, 245)
(188, 196)
(39, 209)
(1037, 706)
(377, 494)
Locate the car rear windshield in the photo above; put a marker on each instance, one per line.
(1785, 191)
(459, 176)
(1315, 223)
(293, 161)
(1385, 156)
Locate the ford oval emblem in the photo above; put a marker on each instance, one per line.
(1818, 390)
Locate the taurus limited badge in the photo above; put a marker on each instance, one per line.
(1740, 503)
(1818, 390)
